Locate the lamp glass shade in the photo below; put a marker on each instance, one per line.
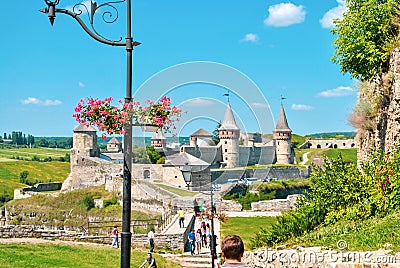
(187, 173)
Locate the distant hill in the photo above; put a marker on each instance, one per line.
(327, 135)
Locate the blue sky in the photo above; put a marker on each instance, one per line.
(275, 47)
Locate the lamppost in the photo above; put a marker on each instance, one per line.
(110, 17)
(187, 176)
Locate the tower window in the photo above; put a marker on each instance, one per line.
(226, 142)
(226, 150)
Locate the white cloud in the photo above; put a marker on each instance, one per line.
(32, 100)
(337, 92)
(250, 37)
(302, 107)
(81, 84)
(259, 105)
(198, 102)
(285, 14)
(51, 102)
(336, 12)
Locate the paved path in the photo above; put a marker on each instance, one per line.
(305, 158)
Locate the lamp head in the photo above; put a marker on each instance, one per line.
(187, 173)
(50, 10)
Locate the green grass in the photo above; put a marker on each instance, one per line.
(28, 153)
(56, 209)
(367, 235)
(349, 155)
(48, 255)
(245, 227)
(177, 191)
(42, 171)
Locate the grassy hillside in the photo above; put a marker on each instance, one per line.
(52, 255)
(70, 209)
(42, 171)
(349, 155)
(13, 161)
(245, 227)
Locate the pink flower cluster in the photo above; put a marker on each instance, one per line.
(111, 119)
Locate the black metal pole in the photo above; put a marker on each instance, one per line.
(126, 234)
(212, 226)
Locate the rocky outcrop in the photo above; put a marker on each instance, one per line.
(377, 113)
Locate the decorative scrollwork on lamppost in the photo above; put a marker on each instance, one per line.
(110, 17)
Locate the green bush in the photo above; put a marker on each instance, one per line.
(87, 202)
(110, 202)
(338, 192)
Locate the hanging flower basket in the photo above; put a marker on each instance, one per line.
(112, 119)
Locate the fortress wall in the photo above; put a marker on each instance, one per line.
(332, 143)
(280, 173)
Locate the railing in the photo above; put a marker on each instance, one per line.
(137, 226)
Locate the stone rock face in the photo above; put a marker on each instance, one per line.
(276, 204)
(383, 97)
(229, 205)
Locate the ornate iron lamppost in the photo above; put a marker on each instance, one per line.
(110, 16)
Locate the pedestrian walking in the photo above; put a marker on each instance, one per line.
(192, 239)
(181, 216)
(150, 237)
(198, 241)
(114, 235)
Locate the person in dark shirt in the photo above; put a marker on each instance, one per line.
(151, 261)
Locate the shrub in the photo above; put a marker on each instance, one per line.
(112, 201)
(87, 202)
(340, 191)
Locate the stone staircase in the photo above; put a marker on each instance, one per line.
(186, 260)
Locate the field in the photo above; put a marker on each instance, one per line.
(28, 153)
(50, 255)
(245, 227)
(12, 164)
(43, 171)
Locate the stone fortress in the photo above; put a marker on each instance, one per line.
(237, 149)
(89, 167)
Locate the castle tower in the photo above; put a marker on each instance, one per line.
(200, 138)
(84, 144)
(114, 145)
(158, 141)
(229, 139)
(282, 137)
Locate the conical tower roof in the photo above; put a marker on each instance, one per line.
(229, 122)
(201, 133)
(83, 128)
(282, 124)
(114, 140)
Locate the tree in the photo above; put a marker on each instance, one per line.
(140, 156)
(153, 154)
(42, 142)
(365, 37)
(215, 137)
